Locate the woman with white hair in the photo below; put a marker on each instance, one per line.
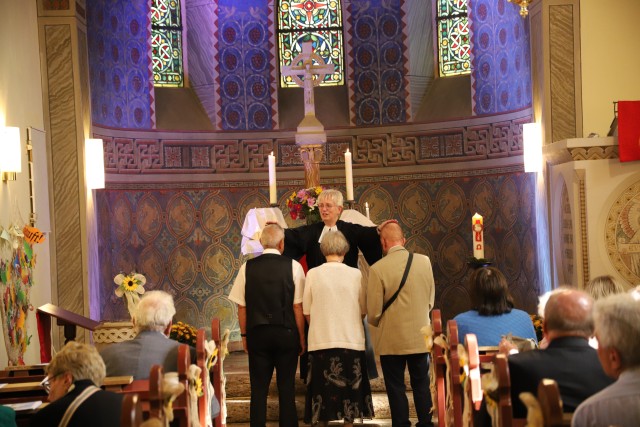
(334, 304)
(74, 376)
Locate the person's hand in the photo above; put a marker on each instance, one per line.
(507, 347)
(381, 226)
(303, 347)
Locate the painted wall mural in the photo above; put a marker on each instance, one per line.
(501, 60)
(622, 233)
(378, 67)
(122, 94)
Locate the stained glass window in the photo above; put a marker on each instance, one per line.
(166, 43)
(318, 21)
(453, 37)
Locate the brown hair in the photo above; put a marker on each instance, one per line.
(490, 292)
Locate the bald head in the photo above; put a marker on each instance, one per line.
(569, 312)
(391, 235)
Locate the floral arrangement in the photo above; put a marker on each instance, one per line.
(130, 286)
(537, 326)
(183, 333)
(303, 204)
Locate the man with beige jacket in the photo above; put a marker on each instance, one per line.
(399, 342)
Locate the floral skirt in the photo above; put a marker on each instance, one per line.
(337, 386)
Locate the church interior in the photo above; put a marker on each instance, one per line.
(433, 142)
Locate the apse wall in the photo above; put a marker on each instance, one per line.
(175, 203)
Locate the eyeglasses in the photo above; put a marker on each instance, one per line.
(326, 205)
(46, 382)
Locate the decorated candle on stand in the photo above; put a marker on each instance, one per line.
(366, 208)
(349, 174)
(477, 227)
(273, 194)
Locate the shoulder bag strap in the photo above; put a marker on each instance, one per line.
(404, 279)
(79, 400)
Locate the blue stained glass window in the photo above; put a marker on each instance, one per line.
(454, 47)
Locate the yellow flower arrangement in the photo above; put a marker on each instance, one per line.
(183, 333)
(130, 286)
(537, 326)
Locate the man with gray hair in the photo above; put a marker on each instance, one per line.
(568, 359)
(152, 321)
(269, 292)
(617, 324)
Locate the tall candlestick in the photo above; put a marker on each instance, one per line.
(349, 174)
(366, 208)
(477, 227)
(273, 193)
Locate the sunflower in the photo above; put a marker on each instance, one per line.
(131, 287)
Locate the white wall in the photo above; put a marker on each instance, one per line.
(609, 33)
(21, 106)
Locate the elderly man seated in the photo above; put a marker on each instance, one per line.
(617, 323)
(152, 320)
(568, 359)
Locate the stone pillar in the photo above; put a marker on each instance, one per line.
(64, 61)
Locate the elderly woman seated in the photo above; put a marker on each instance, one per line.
(493, 314)
(73, 380)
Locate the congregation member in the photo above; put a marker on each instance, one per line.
(269, 291)
(334, 305)
(568, 358)
(603, 286)
(493, 314)
(617, 326)
(400, 296)
(152, 321)
(305, 240)
(74, 376)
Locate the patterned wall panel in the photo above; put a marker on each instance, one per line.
(245, 72)
(186, 237)
(120, 63)
(378, 62)
(501, 60)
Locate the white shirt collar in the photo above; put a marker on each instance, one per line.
(326, 230)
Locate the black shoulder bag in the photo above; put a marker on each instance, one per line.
(404, 279)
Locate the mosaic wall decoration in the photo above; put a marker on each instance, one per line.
(166, 43)
(186, 238)
(378, 65)
(501, 60)
(622, 234)
(454, 48)
(302, 21)
(120, 63)
(245, 69)
(567, 255)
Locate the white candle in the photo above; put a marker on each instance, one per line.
(477, 229)
(349, 174)
(273, 194)
(366, 208)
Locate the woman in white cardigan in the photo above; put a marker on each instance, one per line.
(334, 304)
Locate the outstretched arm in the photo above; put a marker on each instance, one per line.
(297, 312)
(242, 320)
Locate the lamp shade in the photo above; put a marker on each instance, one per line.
(10, 153)
(532, 140)
(94, 163)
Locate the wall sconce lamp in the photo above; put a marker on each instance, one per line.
(524, 6)
(532, 141)
(10, 153)
(94, 163)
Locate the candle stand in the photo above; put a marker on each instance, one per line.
(476, 263)
(351, 204)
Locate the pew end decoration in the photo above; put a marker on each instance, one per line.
(130, 286)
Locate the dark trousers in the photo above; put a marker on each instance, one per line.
(393, 367)
(273, 347)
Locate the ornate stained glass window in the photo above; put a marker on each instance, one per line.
(453, 37)
(166, 43)
(318, 21)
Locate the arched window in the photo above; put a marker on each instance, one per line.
(166, 43)
(318, 21)
(453, 37)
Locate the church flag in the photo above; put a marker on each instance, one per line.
(629, 130)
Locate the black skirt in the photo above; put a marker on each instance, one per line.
(337, 386)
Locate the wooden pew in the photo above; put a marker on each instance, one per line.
(218, 373)
(439, 366)
(181, 404)
(131, 415)
(473, 388)
(454, 374)
(551, 404)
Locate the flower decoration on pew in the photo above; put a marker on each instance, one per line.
(130, 286)
(302, 204)
(184, 333)
(537, 326)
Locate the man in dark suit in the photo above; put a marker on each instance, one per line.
(568, 359)
(269, 291)
(152, 320)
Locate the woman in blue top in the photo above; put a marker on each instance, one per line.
(493, 315)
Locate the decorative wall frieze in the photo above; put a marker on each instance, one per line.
(568, 150)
